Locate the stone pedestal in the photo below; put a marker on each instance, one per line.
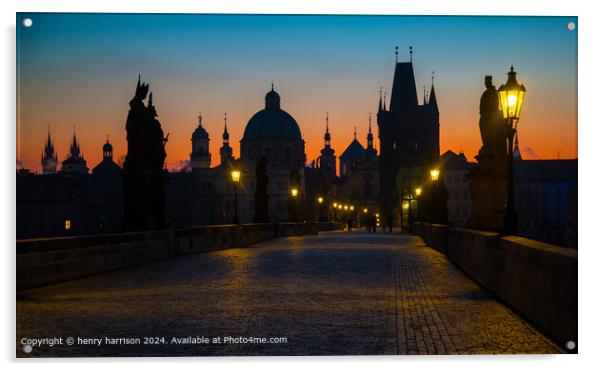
(488, 191)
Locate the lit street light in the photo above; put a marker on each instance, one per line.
(235, 174)
(511, 96)
(294, 193)
(435, 175)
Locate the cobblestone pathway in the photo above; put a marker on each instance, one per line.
(334, 294)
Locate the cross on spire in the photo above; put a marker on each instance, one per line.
(355, 132)
(396, 53)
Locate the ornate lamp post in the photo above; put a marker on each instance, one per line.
(235, 174)
(511, 96)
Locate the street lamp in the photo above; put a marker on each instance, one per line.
(418, 191)
(294, 193)
(511, 96)
(235, 174)
(434, 175)
(320, 201)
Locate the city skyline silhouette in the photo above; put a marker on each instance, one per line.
(210, 63)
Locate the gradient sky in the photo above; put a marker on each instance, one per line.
(81, 70)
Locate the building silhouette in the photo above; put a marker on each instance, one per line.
(71, 201)
(409, 139)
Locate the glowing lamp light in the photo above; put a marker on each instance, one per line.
(406, 206)
(320, 200)
(365, 211)
(345, 207)
(67, 224)
(418, 191)
(351, 207)
(335, 205)
(294, 192)
(511, 96)
(235, 175)
(435, 175)
(340, 206)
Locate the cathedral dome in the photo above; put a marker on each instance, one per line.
(272, 122)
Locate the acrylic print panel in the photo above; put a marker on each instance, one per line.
(210, 185)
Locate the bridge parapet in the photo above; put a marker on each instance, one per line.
(49, 260)
(536, 279)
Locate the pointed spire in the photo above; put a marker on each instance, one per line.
(225, 135)
(432, 96)
(370, 123)
(150, 99)
(424, 101)
(411, 53)
(380, 99)
(354, 132)
(396, 54)
(272, 85)
(327, 133)
(385, 102)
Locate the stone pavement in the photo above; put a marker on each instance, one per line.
(337, 293)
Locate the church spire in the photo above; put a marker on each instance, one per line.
(385, 102)
(370, 150)
(327, 133)
(432, 96)
(225, 135)
(75, 151)
(380, 99)
(370, 137)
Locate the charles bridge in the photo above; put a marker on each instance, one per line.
(316, 289)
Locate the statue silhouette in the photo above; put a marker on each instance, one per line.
(261, 193)
(144, 178)
(491, 123)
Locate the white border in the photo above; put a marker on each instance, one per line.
(589, 174)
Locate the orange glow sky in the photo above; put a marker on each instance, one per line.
(82, 73)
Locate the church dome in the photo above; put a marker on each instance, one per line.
(272, 122)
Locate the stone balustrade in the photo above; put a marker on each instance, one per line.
(49, 260)
(536, 279)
